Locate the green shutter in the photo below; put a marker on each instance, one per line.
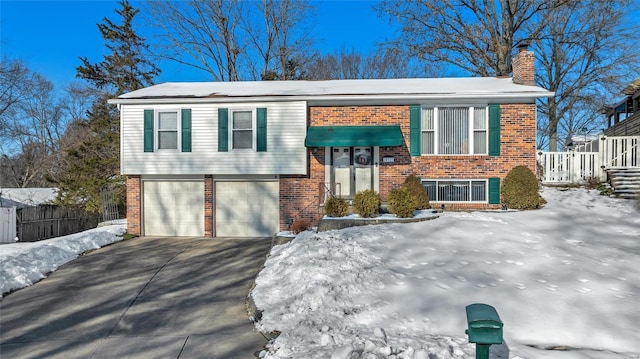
(494, 130)
(148, 130)
(494, 190)
(414, 130)
(261, 125)
(186, 130)
(223, 130)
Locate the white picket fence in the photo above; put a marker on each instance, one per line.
(578, 167)
(7, 225)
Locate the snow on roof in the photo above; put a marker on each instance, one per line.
(584, 138)
(436, 87)
(25, 197)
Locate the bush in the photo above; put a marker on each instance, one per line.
(336, 207)
(414, 185)
(520, 189)
(300, 225)
(402, 202)
(367, 203)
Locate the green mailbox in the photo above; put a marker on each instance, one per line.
(484, 328)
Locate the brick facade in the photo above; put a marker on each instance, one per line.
(301, 196)
(134, 202)
(208, 206)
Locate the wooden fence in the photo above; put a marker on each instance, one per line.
(44, 222)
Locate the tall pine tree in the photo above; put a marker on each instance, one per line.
(94, 163)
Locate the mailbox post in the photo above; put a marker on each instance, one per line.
(484, 328)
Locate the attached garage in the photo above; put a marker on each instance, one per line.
(246, 208)
(173, 208)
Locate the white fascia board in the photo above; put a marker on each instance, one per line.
(337, 99)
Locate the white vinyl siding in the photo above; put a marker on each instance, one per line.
(453, 130)
(286, 130)
(455, 190)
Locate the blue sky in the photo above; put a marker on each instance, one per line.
(50, 36)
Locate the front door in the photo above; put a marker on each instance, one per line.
(352, 170)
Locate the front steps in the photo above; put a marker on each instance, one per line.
(625, 182)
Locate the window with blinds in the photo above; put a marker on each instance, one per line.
(456, 190)
(454, 130)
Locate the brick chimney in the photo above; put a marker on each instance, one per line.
(522, 64)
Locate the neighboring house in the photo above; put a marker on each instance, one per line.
(623, 118)
(26, 197)
(248, 158)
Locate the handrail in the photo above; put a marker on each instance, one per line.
(620, 151)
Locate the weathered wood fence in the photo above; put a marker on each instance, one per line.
(44, 222)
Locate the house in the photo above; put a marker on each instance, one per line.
(26, 197)
(623, 118)
(249, 158)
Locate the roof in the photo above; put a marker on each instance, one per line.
(632, 87)
(26, 197)
(416, 88)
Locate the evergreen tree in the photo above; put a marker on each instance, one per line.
(95, 162)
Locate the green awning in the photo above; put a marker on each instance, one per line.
(346, 136)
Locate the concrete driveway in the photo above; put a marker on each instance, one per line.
(142, 298)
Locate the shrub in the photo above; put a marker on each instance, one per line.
(300, 225)
(402, 202)
(336, 207)
(414, 185)
(367, 203)
(520, 189)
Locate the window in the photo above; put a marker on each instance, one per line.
(454, 130)
(168, 130)
(242, 130)
(456, 190)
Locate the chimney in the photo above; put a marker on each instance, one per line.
(522, 64)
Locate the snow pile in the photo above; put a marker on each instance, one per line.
(22, 264)
(563, 277)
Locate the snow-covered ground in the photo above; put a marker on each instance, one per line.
(565, 280)
(22, 264)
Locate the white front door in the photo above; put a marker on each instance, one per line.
(341, 164)
(352, 170)
(363, 168)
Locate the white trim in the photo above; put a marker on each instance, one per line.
(376, 168)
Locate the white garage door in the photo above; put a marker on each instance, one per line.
(246, 209)
(173, 208)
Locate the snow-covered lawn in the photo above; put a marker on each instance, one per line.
(22, 264)
(563, 277)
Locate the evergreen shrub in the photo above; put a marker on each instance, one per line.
(336, 207)
(367, 203)
(520, 189)
(402, 202)
(414, 185)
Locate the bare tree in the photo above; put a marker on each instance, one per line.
(477, 36)
(585, 56)
(32, 129)
(349, 64)
(15, 81)
(233, 40)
